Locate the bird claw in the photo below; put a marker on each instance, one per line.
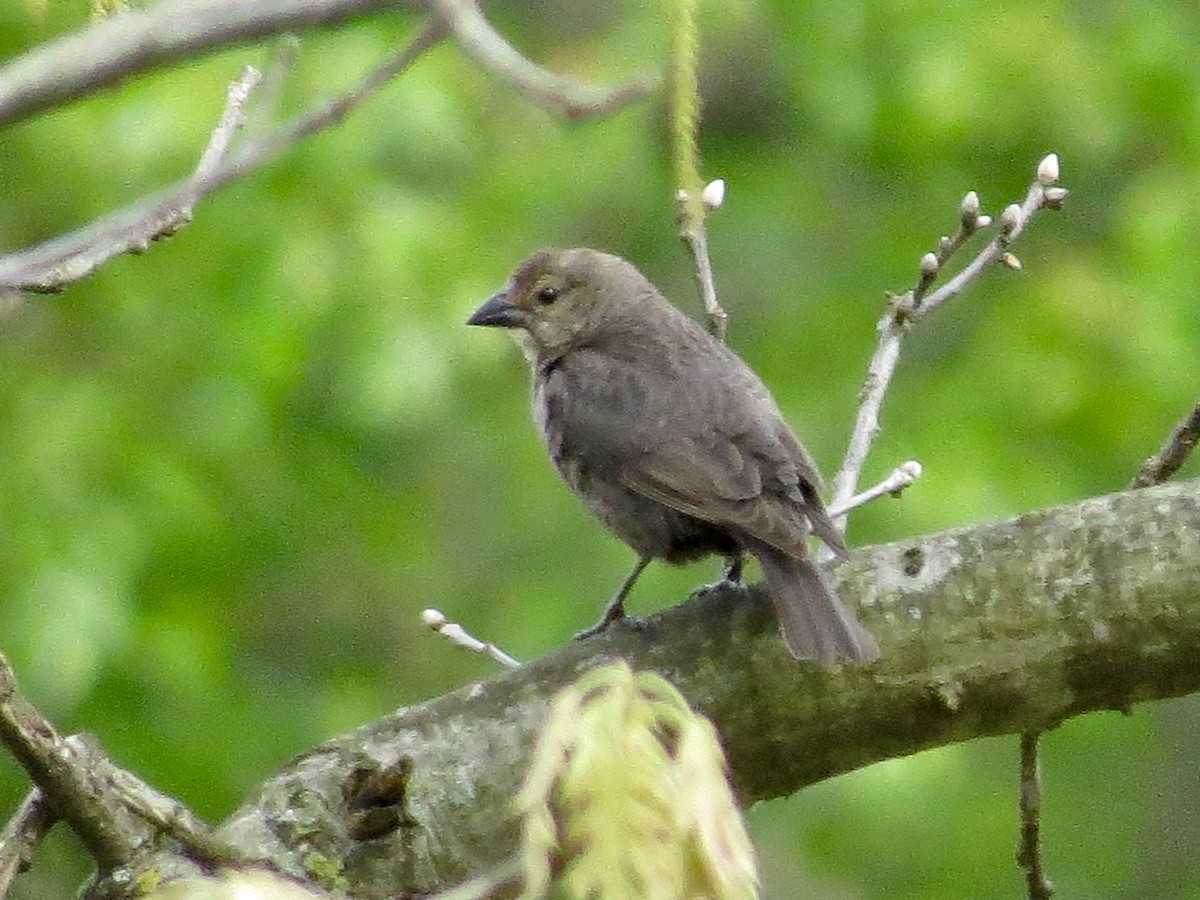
(635, 622)
(731, 580)
(600, 626)
(725, 585)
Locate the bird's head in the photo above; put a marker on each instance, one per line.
(564, 299)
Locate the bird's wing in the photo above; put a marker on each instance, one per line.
(708, 453)
(720, 483)
(745, 481)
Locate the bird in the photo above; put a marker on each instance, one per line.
(671, 441)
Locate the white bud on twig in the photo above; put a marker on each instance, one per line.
(898, 479)
(1047, 170)
(1010, 260)
(436, 620)
(1010, 219)
(969, 210)
(929, 265)
(1053, 197)
(983, 222)
(945, 244)
(713, 194)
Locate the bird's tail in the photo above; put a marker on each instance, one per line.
(814, 622)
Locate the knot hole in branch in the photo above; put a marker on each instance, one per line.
(375, 799)
(914, 561)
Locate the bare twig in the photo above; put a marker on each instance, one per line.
(1173, 454)
(61, 771)
(166, 814)
(1029, 851)
(436, 621)
(479, 40)
(30, 823)
(155, 36)
(696, 238)
(232, 119)
(866, 426)
(113, 812)
(904, 310)
(900, 478)
(1011, 226)
(54, 264)
(695, 234)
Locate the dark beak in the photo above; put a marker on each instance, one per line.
(498, 312)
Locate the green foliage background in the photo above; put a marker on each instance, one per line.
(234, 470)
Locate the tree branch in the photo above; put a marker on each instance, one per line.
(903, 311)
(55, 767)
(140, 40)
(480, 41)
(54, 264)
(1009, 627)
(1173, 453)
(168, 31)
(29, 824)
(1029, 848)
(114, 813)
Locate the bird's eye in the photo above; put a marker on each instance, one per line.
(547, 295)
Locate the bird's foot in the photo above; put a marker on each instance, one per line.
(733, 571)
(600, 627)
(731, 579)
(616, 606)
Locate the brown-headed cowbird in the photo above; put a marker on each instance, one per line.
(670, 439)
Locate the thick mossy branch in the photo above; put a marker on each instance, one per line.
(1001, 628)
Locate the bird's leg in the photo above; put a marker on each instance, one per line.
(731, 576)
(616, 606)
(733, 569)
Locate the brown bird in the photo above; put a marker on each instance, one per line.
(670, 439)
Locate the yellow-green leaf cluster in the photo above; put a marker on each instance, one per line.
(102, 9)
(627, 797)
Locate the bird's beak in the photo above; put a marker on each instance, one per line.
(498, 312)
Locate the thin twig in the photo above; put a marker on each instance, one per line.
(25, 830)
(167, 815)
(866, 426)
(231, 121)
(54, 264)
(696, 238)
(1034, 200)
(904, 310)
(900, 478)
(1173, 454)
(1029, 851)
(113, 812)
(437, 622)
(549, 90)
(63, 774)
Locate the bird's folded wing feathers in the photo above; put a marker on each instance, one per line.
(720, 483)
(706, 455)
